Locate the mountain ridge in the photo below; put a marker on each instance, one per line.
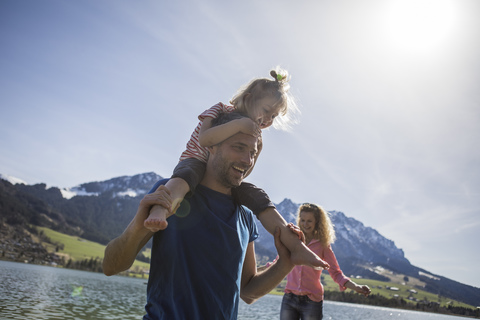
(100, 210)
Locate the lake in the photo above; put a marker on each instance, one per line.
(40, 292)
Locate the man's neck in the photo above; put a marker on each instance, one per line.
(211, 183)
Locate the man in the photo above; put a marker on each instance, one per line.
(205, 260)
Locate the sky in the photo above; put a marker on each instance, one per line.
(388, 92)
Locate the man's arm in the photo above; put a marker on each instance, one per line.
(121, 252)
(256, 284)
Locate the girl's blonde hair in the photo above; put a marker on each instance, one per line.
(323, 229)
(278, 88)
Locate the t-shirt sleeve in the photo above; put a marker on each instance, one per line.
(253, 228)
(158, 184)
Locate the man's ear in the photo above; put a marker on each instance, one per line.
(212, 149)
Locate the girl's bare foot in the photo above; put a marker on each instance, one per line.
(157, 219)
(301, 255)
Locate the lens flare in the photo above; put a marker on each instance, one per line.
(183, 210)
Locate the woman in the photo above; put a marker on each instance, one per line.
(303, 297)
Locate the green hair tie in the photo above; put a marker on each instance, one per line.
(279, 77)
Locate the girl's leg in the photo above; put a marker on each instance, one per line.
(300, 254)
(258, 201)
(186, 176)
(157, 219)
(288, 310)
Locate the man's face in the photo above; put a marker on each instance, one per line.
(231, 159)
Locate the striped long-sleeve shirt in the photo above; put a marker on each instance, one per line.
(194, 149)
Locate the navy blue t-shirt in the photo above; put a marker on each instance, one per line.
(196, 264)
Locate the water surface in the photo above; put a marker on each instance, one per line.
(40, 292)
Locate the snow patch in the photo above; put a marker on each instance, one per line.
(11, 179)
(67, 194)
(420, 273)
(128, 193)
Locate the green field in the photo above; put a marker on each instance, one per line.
(380, 288)
(77, 249)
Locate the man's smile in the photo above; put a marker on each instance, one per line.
(242, 171)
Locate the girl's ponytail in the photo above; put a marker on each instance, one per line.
(281, 76)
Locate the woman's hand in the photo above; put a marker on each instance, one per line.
(365, 290)
(295, 229)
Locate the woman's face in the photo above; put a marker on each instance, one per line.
(307, 223)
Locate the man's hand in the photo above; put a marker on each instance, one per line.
(161, 197)
(283, 252)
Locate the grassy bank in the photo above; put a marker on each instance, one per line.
(384, 289)
(77, 249)
(409, 293)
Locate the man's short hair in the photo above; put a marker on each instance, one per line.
(225, 117)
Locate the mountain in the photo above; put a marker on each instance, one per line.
(355, 244)
(99, 211)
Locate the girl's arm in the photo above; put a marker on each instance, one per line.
(210, 136)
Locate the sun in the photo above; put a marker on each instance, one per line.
(419, 26)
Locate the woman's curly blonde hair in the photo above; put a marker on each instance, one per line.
(323, 230)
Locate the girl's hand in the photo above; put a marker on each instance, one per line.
(248, 126)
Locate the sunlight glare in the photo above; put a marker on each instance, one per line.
(419, 26)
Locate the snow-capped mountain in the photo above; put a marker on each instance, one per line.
(100, 211)
(11, 179)
(354, 239)
(131, 186)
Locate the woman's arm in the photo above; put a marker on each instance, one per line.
(365, 290)
(334, 270)
(338, 276)
(210, 136)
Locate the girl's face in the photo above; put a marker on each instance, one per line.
(263, 111)
(307, 223)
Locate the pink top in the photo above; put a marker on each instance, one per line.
(303, 280)
(194, 149)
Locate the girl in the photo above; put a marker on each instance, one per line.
(262, 100)
(303, 297)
